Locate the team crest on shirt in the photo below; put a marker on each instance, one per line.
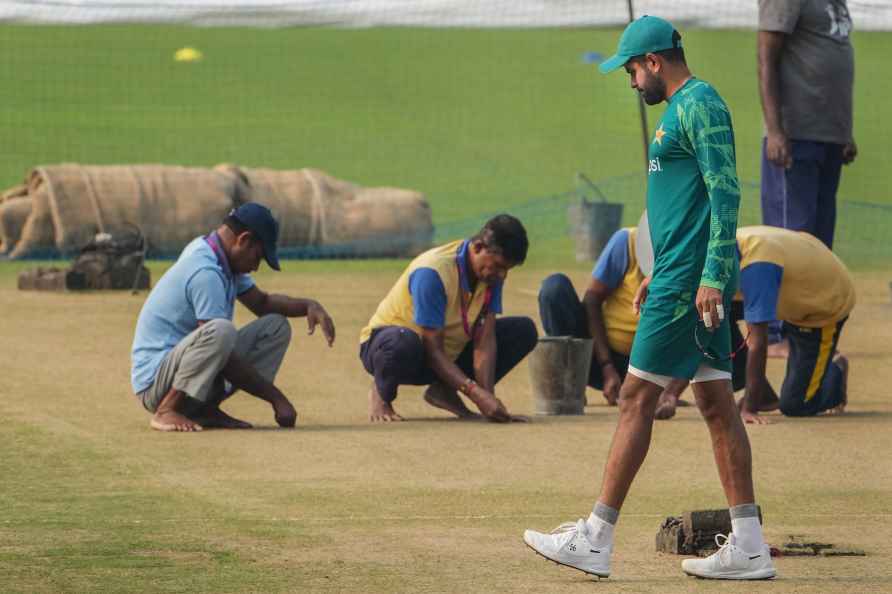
(659, 133)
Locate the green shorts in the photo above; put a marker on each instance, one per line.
(664, 342)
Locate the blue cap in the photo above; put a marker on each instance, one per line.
(645, 35)
(260, 222)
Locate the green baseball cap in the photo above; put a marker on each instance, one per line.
(644, 35)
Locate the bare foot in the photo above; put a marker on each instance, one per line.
(666, 406)
(779, 350)
(379, 410)
(213, 417)
(442, 396)
(170, 420)
(842, 362)
(167, 418)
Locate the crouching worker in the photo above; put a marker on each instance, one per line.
(793, 277)
(605, 315)
(438, 326)
(187, 355)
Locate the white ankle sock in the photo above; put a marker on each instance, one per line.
(600, 531)
(748, 534)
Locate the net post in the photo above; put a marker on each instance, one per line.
(641, 112)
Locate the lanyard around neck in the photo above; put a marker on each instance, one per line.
(470, 330)
(213, 240)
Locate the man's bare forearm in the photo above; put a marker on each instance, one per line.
(770, 46)
(755, 373)
(244, 377)
(290, 307)
(442, 366)
(597, 329)
(485, 360)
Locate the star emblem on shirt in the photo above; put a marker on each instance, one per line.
(659, 133)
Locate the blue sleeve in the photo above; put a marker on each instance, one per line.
(206, 291)
(243, 282)
(614, 260)
(428, 298)
(760, 284)
(495, 303)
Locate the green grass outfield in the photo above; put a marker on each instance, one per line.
(479, 120)
(93, 500)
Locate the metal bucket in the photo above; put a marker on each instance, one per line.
(559, 367)
(592, 224)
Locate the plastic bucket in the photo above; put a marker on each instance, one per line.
(559, 367)
(593, 224)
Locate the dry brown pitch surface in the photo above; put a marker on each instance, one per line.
(92, 500)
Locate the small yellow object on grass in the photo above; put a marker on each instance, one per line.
(187, 54)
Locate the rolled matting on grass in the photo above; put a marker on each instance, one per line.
(317, 210)
(70, 203)
(63, 206)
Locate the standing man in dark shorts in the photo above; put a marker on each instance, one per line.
(692, 201)
(806, 76)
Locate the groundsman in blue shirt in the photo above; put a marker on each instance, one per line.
(187, 355)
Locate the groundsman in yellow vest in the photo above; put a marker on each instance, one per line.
(438, 326)
(605, 315)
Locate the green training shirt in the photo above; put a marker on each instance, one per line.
(693, 193)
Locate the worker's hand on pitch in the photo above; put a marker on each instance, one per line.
(710, 307)
(778, 150)
(491, 407)
(849, 152)
(316, 315)
(284, 412)
(753, 418)
(641, 295)
(612, 384)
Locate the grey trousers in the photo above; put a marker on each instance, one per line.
(194, 366)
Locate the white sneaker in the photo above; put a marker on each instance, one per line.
(568, 544)
(731, 562)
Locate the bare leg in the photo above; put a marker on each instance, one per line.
(442, 396)
(168, 419)
(211, 416)
(631, 440)
(379, 409)
(730, 444)
(244, 377)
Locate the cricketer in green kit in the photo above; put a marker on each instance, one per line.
(692, 201)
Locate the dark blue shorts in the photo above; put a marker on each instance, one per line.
(803, 198)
